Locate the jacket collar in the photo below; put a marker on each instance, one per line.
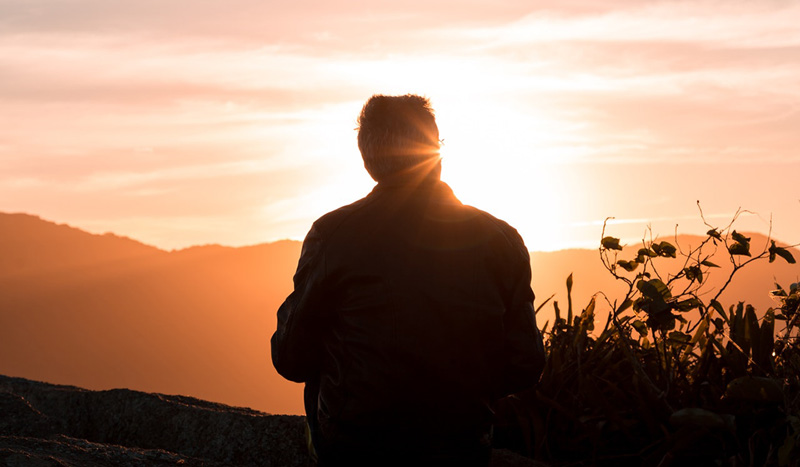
(427, 186)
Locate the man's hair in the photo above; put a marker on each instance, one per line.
(397, 134)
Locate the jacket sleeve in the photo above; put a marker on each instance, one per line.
(524, 349)
(297, 342)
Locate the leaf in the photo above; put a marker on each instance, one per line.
(625, 305)
(751, 331)
(737, 326)
(714, 233)
(665, 249)
(586, 323)
(628, 265)
(654, 289)
(610, 243)
(694, 273)
(723, 351)
(754, 389)
(689, 304)
(569, 299)
(742, 249)
(668, 250)
(679, 338)
(739, 238)
(653, 302)
(718, 307)
(640, 327)
(656, 248)
(701, 330)
(785, 254)
(663, 320)
(709, 264)
(763, 356)
(536, 311)
(780, 292)
(645, 253)
(779, 251)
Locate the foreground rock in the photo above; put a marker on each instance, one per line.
(121, 427)
(50, 425)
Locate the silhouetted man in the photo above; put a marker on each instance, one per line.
(411, 312)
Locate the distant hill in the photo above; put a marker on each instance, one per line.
(102, 311)
(30, 245)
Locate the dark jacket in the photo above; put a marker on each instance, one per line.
(411, 313)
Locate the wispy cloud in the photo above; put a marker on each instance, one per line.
(244, 110)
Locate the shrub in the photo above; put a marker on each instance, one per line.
(655, 387)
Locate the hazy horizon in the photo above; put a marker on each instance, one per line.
(667, 237)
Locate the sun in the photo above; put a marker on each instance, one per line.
(505, 158)
(500, 159)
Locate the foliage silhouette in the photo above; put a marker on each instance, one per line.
(672, 378)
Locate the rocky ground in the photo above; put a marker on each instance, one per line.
(50, 425)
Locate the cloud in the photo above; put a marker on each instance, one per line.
(153, 110)
(741, 24)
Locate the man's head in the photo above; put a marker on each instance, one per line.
(398, 134)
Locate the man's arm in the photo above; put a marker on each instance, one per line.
(297, 342)
(524, 350)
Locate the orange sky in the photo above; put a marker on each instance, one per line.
(190, 122)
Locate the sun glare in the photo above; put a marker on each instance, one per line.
(502, 161)
(500, 153)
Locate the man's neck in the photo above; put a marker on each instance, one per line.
(409, 180)
(421, 175)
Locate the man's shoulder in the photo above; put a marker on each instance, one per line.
(490, 219)
(331, 221)
(496, 223)
(503, 231)
(353, 214)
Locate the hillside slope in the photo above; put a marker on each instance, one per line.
(101, 311)
(100, 314)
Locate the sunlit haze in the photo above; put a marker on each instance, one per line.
(182, 123)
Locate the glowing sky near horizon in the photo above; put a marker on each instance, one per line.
(190, 122)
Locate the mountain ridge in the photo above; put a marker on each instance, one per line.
(4, 216)
(197, 321)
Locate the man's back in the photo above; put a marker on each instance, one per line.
(411, 314)
(417, 289)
